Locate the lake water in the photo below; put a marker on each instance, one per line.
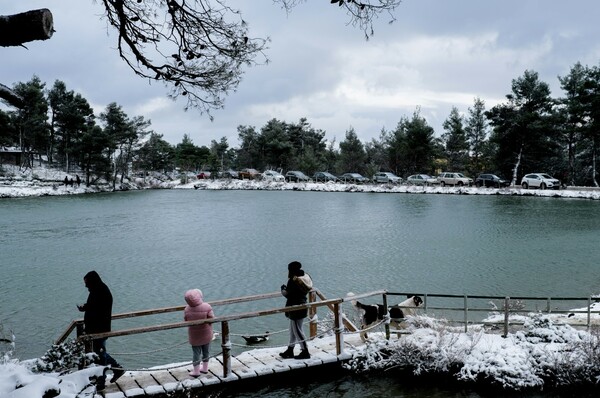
(151, 246)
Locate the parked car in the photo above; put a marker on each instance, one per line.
(539, 180)
(229, 174)
(323, 176)
(203, 175)
(421, 179)
(248, 174)
(353, 177)
(386, 177)
(451, 178)
(490, 180)
(272, 175)
(296, 176)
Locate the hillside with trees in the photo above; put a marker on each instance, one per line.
(531, 131)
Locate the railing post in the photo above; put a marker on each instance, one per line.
(312, 315)
(506, 314)
(226, 346)
(466, 315)
(339, 329)
(387, 323)
(87, 343)
(79, 329)
(589, 313)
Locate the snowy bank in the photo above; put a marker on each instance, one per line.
(50, 182)
(571, 192)
(544, 355)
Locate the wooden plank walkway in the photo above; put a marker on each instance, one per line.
(253, 363)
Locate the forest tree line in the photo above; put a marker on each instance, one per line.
(530, 132)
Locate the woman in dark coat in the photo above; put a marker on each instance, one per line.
(295, 291)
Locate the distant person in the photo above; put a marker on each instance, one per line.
(66, 181)
(71, 182)
(97, 318)
(78, 180)
(295, 291)
(199, 336)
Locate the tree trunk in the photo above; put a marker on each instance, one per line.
(25, 27)
(10, 96)
(22, 28)
(516, 169)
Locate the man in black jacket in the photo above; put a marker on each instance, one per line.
(97, 317)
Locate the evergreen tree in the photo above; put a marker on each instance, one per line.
(523, 129)
(476, 133)
(455, 141)
(155, 154)
(30, 122)
(419, 147)
(352, 153)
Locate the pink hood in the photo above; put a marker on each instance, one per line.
(194, 297)
(197, 309)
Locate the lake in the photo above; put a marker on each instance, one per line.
(151, 246)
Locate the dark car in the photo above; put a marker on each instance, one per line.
(323, 176)
(490, 180)
(203, 175)
(353, 178)
(229, 174)
(296, 176)
(248, 174)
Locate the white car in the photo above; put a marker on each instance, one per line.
(272, 175)
(539, 180)
(454, 179)
(387, 177)
(421, 179)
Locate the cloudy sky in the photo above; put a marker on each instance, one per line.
(437, 54)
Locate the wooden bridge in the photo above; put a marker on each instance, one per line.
(332, 350)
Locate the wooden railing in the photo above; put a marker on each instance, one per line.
(543, 305)
(340, 321)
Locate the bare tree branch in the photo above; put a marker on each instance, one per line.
(362, 13)
(199, 47)
(10, 97)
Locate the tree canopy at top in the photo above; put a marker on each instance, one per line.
(197, 48)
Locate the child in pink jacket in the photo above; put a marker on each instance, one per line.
(200, 336)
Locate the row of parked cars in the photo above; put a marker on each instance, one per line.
(532, 180)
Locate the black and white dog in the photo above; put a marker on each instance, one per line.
(372, 313)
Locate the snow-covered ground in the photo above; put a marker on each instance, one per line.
(545, 353)
(49, 182)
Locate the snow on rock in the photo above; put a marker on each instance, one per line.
(541, 355)
(17, 381)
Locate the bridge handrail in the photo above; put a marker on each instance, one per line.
(506, 311)
(333, 304)
(226, 318)
(155, 311)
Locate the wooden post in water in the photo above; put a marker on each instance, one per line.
(312, 312)
(226, 346)
(339, 329)
(589, 313)
(466, 315)
(387, 314)
(506, 313)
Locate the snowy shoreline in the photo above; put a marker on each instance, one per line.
(50, 184)
(544, 357)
